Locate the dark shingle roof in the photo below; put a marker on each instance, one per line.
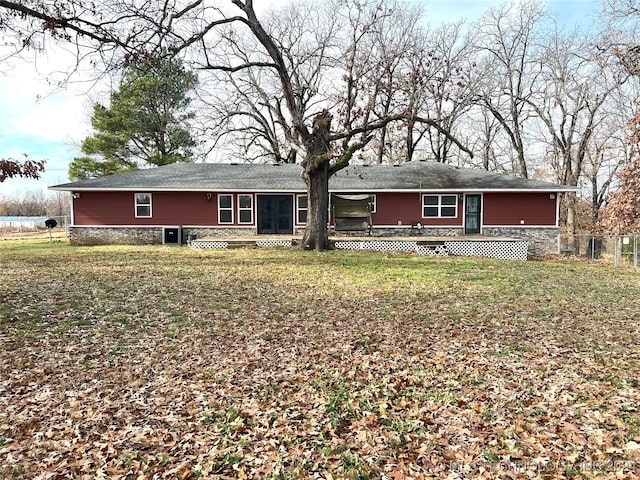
(411, 176)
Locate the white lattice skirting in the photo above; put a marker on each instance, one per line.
(376, 245)
(511, 250)
(504, 250)
(274, 243)
(204, 244)
(209, 244)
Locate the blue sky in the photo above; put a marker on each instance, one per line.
(39, 122)
(569, 11)
(42, 124)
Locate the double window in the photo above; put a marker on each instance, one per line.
(436, 206)
(226, 209)
(143, 205)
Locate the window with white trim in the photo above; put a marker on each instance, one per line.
(372, 203)
(225, 208)
(438, 206)
(245, 209)
(302, 206)
(143, 205)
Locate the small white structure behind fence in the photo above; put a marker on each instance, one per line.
(617, 250)
(22, 227)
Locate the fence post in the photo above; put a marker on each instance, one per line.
(615, 251)
(635, 250)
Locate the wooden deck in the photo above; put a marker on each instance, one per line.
(471, 246)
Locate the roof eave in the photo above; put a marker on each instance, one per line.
(166, 189)
(552, 189)
(549, 189)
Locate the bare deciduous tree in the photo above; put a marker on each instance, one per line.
(449, 81)
(215, 37)
(506, 40)
(621, 33)
(322, 83)
(571, 90)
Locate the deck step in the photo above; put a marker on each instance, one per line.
(431, 243)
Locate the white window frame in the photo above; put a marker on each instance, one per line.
(137, 204)
(245, 209)
(373, 203)
(225, 209)
(439, 206)
(299, 209)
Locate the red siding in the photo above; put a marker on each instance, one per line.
(168, 208)
(407, 208)
(193, 208)
(502, 209)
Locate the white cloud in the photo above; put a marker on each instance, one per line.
(32, 107)
(39, 119)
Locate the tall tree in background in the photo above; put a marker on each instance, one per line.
(506, 41)
(569, 97)
(377, 67)
(247, 116)
(448, 86)
(366, 61)
(146, 123)
(609, 153)
(621, 35)
(622, 212)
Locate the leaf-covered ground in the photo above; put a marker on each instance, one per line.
(151, 362)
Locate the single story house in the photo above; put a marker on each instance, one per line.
(226, 199)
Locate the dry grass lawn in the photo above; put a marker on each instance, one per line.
(153, 362)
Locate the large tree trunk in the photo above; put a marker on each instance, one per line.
(572, 208)
(316, 233)
(316, 175)
(573, 243)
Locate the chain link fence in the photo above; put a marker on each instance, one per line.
(20, 228)
(616, 250)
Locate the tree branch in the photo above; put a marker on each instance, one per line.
(52, 23)
(238, 68)
(276, 55)
(348, 154)
(401, 116)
